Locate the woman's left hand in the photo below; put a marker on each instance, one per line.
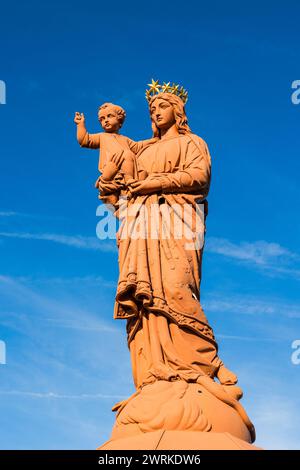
(147, 186)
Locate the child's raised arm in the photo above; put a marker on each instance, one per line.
(84, 138)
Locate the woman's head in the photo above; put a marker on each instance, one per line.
(167, 109)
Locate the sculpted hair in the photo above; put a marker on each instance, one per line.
(121, 114)
(179, 112)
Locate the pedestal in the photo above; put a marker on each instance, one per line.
(180, 415)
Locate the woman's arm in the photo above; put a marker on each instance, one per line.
(136, 147)
(196, 172)
(193, 177)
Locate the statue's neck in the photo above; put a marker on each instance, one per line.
(170, 132)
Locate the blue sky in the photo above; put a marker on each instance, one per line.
(67, 360)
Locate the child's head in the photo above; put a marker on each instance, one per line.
(111, 117)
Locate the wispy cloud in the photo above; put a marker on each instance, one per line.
(258, 252)
(280, 271)
(18, 214)
(58, 311)
(276, 420)
(64, 281)
(271, 258)
(9, 213)
(246, 338)
(251, 305)
(82, 325)
(75, 241)
(52, 395)
(92, 280)
(81, 357)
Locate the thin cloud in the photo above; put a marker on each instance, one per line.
(16, 214)
(9, 214)
(89, 356)
(281, 271)
(258, 252)
(271, 259)
(31, 216)
(88, 326)
(75, 241)
(252, 306)
(63, 281)
(276, 420)
(75, 280)
(52, 395)
(246, 338)
(56, 310)
(236, 305)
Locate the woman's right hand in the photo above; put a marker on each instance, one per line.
(150, 185)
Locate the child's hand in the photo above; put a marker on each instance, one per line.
(79, 118)
(113, 165)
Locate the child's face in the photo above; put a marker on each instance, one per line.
(108, 119)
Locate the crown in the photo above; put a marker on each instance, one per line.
(155, 88)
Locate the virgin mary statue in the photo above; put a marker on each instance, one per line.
(160, 242)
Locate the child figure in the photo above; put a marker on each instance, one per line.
(117, 152)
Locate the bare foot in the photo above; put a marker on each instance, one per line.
(234, 391)
(226, 377)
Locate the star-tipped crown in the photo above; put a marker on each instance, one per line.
(155, 88)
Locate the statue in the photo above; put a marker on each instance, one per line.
(181, 383)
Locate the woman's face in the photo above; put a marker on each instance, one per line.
(162, 113)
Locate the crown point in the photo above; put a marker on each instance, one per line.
(155, 88)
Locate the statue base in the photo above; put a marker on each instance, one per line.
(181, 415)
(179, 440)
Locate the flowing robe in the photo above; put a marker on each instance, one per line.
(158, 290)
